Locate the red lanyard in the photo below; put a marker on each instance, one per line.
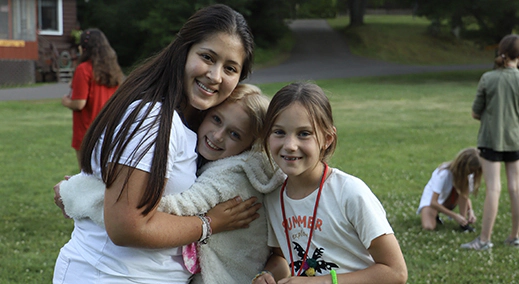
(313, 222)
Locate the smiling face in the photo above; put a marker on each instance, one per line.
(224, 132)
(294, 143)
(213, 69)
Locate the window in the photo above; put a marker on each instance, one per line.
(50, 17)
(17, 20)
(4, 19)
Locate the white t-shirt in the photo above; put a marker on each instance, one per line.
(139, 264)
(349, 218)
(441, 183)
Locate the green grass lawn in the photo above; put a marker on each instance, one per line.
(393, 132)
(404, 39)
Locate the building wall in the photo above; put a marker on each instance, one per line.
(23, 62)
(19, 72)
(11, 49)
(16, 49)
(64, 42)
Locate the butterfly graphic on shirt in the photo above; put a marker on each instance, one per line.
(313, 265)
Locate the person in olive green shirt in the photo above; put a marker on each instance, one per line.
(497, 107)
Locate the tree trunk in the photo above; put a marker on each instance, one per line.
(357, 8)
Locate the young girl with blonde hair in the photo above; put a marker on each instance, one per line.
(450, 186)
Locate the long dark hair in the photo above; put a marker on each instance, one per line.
(96, 48)
(160, 79)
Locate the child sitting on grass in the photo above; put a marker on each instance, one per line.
(449, 186)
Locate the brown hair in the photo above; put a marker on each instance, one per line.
(159, 80)
(97, 49)
(508, 50)
(318, 107)
(465, 163)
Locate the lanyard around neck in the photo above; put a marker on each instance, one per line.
(323, 178)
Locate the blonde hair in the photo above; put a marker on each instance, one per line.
(255, 104)
(318, 107)
(465, 163)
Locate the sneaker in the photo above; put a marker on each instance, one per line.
(467, 229)
(514, 242)
(439, 221)
(476, 244)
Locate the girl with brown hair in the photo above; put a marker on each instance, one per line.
(496, 106)
(450, 186)
(95, 80)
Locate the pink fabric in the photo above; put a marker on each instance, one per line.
(190, 256)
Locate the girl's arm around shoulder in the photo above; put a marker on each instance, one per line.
(220, 181)
(126, 226)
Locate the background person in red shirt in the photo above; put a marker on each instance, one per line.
(95, 80)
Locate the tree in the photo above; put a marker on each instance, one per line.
(494, 18)
(316, 8)
(139, 28)
(119, 20)
(266, 19)
(357, 9)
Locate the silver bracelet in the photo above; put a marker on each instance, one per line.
(206, 229)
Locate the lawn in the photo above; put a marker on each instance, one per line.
(393, 132)
(404, 39)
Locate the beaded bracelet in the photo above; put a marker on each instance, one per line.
(206, 229)
(261, 273)
(334, 276)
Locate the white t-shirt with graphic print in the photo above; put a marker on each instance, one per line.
(349, 218)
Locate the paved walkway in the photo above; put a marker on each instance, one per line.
(48, 91)
(320, 53)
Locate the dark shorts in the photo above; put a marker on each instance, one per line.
(494, 156)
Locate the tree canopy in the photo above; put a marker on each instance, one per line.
(486, 21)
(139, 28)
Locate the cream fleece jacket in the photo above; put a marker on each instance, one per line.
(228, 257)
